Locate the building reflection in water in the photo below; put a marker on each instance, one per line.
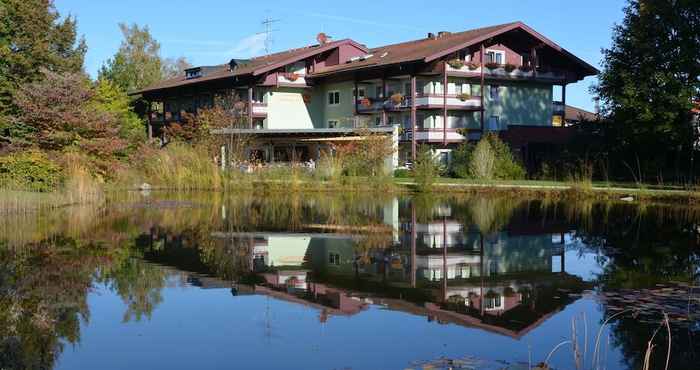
(507, 281)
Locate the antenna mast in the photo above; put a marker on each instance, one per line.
(267, 24)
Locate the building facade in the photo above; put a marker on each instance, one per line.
(441, 91)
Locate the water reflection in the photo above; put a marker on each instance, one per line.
(500, 265)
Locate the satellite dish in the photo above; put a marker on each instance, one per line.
(322, 38)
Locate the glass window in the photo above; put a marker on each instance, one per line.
(333, 97)
(495, 56)
(379, 92)
(360, 92)
(332, 124)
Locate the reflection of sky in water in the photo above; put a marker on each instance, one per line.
(209, 328)
(579, 263)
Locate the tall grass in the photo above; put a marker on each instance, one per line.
(79, 187)
(182, 167)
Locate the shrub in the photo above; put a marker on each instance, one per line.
(425, 169)
(489, 159)
(492, 65)
(402, 173)
(483, 161)
(525, 68)
(509, 67)
(30, 170)
(473, 66)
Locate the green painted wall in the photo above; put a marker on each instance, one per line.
(520, 104)
(343, 112)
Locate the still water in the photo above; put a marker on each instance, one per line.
(205, 281)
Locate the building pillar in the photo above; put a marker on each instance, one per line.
(481, 60)
(413, 119)
(563, 103)
(444, 105)
(250, 106)
(383, 99)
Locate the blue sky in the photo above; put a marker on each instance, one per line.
(212, 32)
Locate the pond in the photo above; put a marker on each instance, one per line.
(321, 281)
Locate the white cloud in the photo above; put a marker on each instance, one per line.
(246, 47)
(249, 46)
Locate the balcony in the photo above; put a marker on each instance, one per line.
(505, 72)
(432, 135)
(423, 101)
(452, 101)
(259, 110)
(291, 80)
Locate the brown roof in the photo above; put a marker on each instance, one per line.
(578, 114)
(429, 49)
(413, 50)
(426, 49)
(254, 66)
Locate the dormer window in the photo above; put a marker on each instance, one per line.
(193, 73)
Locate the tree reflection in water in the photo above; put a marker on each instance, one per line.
(497, 263)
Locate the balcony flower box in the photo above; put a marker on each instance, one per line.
(473, 66)
(397, 99)
(492, 65)
(525, 68)
(291, 76)
(464, 97)
(456, 63)
(509, 67)
(366, 102)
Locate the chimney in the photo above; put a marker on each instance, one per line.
(431, 35)
(443, 33)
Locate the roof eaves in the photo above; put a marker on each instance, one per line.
(504, 28)
(310, 52)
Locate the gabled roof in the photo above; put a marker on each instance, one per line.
(430, 49)
(254, 67)
(423, 50)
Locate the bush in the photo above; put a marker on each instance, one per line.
(489, 159)
(402, 173)
(509, 67)
(483, 161)
(425, 169)
(456, 63)
(30, 170)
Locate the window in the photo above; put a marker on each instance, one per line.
(334, 259)
(377, 121)
(407, 89)
(495, 56)
(332, 124)
(493, 302)
(333, 97)
(360, 92)
(526, 59)
(494, 92)
(193, 73)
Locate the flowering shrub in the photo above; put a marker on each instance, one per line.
(455, 63)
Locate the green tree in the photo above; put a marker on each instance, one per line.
(32, 36)
(138, 63)
(109, 98)
(649, 80)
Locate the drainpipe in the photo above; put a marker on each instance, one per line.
(383, 99)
